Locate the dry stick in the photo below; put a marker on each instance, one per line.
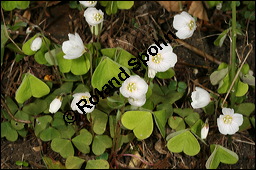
(236, 76)
(197, 51)
(9, 112)
(5, 28)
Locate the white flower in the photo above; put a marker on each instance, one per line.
(162, 61)
(134, 87)
(185, 24)
(137, 102)
(88, 3)
(205, 130)
(200, 98)
(74, 47)
(93, 16)
(229, 122)
(36, 44)
(55, 105)
(86, 107)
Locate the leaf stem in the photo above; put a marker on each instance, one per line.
(233, 52)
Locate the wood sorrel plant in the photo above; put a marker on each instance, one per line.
(103, 100)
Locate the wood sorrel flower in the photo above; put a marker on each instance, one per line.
(229, 122)
(76, 100)
(205, 130)
(185, 24)
(163, 59)
(88, 3)
(55, 104)
(137, 102)
(200, 98)
(134, 87)
(74, 47)
(93, 16)
(36, 44)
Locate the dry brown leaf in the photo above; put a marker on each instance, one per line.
(27, 15)
(37, 148)
(197, 9)
(174, 6)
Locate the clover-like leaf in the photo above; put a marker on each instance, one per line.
(220, 154)
(62, 146)
(242, 88)
(21, 116)
(8, 132)
(52, 164)
(49, 134)
(31, 86)
(124, 4)
(42, 123)
(97, 164)
(100, 144)
(117, 71)
(185, 142)
(245, 108)
(119, 55)
(82, 141)
(100, 120)
(74, 162)
(140, 122)
(176, 122)
(38, 106)
(161, 117)
(166, 75)
(218, 75)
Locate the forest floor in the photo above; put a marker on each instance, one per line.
(134, 30)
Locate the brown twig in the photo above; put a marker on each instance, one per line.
(9, 112)
(197, 51)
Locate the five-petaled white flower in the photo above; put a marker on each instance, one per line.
(185, 24)
(162, 61)
(88, 3)
(74, 47)
(87, 107)
(55, 104)
(36, 44)
(200, 98)
(134, 87)
(137, 102)
(93, 16)
(229, 122)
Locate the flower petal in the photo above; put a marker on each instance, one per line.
(227, 111)
(238, 119)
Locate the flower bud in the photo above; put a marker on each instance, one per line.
(36, 44)
(205, 130)
(55, 105)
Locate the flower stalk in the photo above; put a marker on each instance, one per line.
(233, 52)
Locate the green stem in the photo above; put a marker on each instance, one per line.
(233, 52)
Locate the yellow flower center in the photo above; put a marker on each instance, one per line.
(97, 17)
(131, 87)
(91, 2)
(87, 100)
(157, 58)
(191, 25)
(227, 119)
